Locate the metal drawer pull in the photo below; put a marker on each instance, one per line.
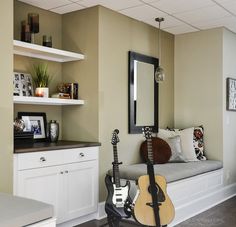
(61, 172)
(81, 154)
(66, 171)
(42, 159)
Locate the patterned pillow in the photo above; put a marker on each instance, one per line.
(198, 142)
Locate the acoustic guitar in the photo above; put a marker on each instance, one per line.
(153, 206)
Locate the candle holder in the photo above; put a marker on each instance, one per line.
(25, 32)
(42, 92)
(33, 19)
(47, 41)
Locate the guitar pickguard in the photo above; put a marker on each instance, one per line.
(160, 194)
(120, 195)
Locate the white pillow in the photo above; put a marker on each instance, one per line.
(186, 137)
(164, 133)
(176, 150)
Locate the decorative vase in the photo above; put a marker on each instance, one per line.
(42, 92)
(53, 131)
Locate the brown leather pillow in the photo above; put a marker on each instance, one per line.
(161, 151)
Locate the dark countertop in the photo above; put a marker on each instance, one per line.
(47, 146)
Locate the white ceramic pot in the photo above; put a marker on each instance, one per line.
(42, 92)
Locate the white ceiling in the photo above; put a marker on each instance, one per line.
(181, 16)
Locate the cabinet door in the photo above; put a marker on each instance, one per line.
(81, 187)
(42, 184)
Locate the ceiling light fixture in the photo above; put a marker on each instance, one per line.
(159, 73)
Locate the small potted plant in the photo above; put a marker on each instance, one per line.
(41, 79)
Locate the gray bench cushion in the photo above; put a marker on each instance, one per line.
(171, 171)
(17, 212)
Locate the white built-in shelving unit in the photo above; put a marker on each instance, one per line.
(50, 54)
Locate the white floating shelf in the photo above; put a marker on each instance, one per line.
(42, 52)
(46, 101)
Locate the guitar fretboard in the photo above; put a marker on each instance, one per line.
(149, 149)
(116, 172)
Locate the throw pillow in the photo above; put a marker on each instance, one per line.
(176, 151)
(199, 143)
(186, 138)
(160, 148)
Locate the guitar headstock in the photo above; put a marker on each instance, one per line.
(147, 131)
(115, 139)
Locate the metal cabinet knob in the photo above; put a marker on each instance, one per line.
(66, 171)
(61, 172)
(42, 159)
(81, 154)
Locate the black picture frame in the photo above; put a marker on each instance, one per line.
(133, 128)
(231, 94)
(35, 122)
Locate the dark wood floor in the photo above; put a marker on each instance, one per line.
(222, 215)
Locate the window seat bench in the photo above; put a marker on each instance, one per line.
(193, 186)
(171, 171)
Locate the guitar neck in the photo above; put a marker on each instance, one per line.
(149, 149)
(116, 172)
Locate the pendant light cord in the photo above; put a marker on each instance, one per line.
(159, 20)
(159, 42)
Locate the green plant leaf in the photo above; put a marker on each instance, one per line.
(41, 77)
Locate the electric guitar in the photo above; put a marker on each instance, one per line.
(118, 202)
(153, 206)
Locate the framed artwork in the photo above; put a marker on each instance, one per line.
(35, 122)
(231, 94)
(23, 84)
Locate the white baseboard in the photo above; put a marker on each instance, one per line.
(101, 211)
(192, 208)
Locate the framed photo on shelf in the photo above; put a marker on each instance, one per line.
(231, 94)
(23, 84)
(35, 122)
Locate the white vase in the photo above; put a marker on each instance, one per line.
(42, 92)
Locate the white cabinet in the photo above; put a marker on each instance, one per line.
(80, 189)
(67, 179)
(40, 184)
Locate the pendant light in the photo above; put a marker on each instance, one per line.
(159, 73)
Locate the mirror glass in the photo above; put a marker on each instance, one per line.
(143, 100)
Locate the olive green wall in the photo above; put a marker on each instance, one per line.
(198, 86)
(80, 34)
(117, 35)
(25, 64)
(6, 108)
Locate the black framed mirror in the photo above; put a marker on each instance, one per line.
(143, 93)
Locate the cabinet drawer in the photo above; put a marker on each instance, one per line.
(39, 159)
(80, 154)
